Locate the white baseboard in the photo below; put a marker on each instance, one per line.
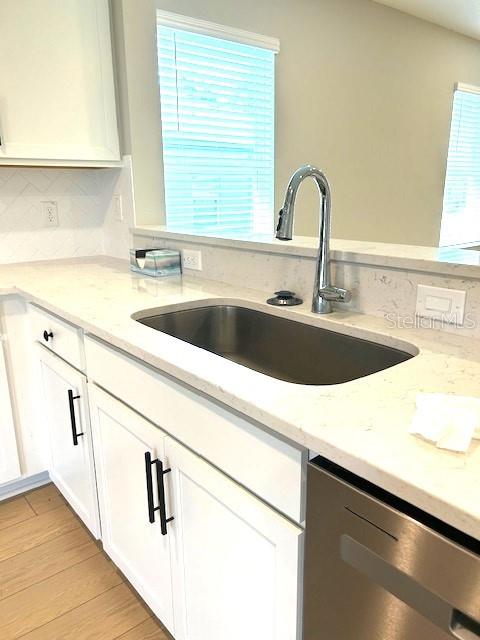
(22, 485)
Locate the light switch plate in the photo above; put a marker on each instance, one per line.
(447, 305)
(118, 207)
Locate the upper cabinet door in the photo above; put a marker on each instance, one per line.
(57, 94)
(236, 567)
(9, 463)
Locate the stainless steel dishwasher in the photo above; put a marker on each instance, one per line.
(377, 568)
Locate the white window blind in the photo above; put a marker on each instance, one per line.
(461, 202)
(217, 99)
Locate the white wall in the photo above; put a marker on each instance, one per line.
(363, 90)
(135, 56)
(117, 239)
(87, 222)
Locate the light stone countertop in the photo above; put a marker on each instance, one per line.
(361, 425)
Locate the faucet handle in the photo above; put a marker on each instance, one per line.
(335, 294)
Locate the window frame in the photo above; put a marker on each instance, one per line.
(215, 30)
(465, 88)
(222, 32)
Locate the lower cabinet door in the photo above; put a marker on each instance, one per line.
(71, 452)
(9, 462)
(128, 454)
(236, 567)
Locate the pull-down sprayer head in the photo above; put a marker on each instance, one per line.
(286, 215)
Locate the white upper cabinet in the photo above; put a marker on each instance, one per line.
(57, 92)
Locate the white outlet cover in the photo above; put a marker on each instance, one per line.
(50, 213)
(447, 305)
(192, 259)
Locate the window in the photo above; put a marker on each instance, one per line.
(461, 201)
(217, 99)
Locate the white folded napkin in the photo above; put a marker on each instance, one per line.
(447, 420)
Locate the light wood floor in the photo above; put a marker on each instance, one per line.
(56, 583)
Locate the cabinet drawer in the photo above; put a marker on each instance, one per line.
(59, 336)
(264, 464)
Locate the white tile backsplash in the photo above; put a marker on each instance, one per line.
(87, 226)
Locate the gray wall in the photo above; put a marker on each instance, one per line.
(362, 90)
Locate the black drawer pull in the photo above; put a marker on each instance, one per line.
(161, 492)
(73, 421)
(47, 335)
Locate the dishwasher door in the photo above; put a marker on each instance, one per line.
(372, 572)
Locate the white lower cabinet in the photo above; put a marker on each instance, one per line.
(134, 543)
(66, 417)
(9, 461)
(216, 562)
(236, 560)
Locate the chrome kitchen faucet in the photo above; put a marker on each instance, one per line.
(324, 293)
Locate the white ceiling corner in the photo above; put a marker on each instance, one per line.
(462, 16)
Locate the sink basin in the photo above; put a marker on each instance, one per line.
(279, 347)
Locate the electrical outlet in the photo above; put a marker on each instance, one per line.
(118, 207)
(50, 213)
(192, 259)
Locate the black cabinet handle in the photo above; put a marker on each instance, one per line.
(148, 476)
(47, 335)
(161, 497)
(161, 492)
(73, 421)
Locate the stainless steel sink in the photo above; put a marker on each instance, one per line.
(279, 347)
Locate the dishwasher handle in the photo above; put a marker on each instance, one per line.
(463, 627)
